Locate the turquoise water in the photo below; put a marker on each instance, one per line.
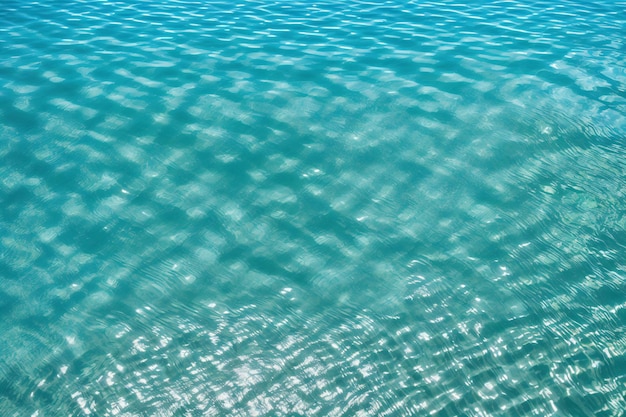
(312, 208)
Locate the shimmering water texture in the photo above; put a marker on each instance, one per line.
(316, 209)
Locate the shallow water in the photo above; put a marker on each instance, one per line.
(329, 208)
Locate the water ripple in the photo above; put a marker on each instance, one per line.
(348, 208)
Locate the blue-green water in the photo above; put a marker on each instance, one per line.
(312, 208)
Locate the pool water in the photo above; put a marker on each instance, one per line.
(331, 208)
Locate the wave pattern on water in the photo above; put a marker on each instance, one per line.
(287, 208)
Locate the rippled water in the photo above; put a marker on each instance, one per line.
(330, 208)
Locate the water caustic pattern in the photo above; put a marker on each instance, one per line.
(330, 208)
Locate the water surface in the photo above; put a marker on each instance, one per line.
(298, 208)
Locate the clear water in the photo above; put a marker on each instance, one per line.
(297, 208)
